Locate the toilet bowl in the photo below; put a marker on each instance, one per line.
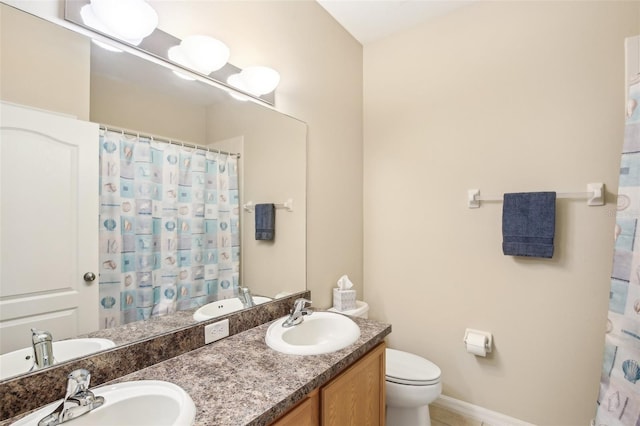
(412, 383)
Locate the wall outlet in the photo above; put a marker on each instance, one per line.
(216, 331)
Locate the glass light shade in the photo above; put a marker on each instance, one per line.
(130, 20)
(236, 81)
(260, 80)
(255, 80)
(200, 53)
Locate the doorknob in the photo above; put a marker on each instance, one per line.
(89, 276)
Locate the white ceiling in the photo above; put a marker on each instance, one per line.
(371, 20)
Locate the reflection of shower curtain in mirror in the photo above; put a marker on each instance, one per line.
(169, 236)
(619, 397)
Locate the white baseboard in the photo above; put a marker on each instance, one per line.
(477, 413)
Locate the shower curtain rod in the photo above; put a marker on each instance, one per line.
(164, 139)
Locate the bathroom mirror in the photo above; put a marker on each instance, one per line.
(129, 92)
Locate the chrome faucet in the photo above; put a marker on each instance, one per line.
(297, 313)
(78, 400)
(245, 297)
(42, 349)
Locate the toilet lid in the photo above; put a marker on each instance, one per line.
(409, 369)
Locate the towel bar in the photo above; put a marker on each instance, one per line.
(287, 205)
(594, 196)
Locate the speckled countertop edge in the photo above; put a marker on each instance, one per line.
(241, 381)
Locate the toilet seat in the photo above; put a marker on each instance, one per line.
(408, 369)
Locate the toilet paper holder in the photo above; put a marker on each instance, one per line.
(488, 337)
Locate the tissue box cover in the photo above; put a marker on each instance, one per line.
(344, 300)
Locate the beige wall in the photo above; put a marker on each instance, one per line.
(273, 169)
(130, 106)
(44, 76)
(505, 97)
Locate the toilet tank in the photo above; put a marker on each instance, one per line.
(361, 310)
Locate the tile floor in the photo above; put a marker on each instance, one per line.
(444, 417)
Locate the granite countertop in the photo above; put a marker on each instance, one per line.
(239, 380)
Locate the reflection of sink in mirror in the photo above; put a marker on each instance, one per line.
(223, 307)
(319, 333)
(21, 361)
(139, 403)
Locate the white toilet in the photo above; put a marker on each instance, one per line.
(412, 382)
(361, 310)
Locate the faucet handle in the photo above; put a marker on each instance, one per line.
(300, 304)
(77, 382)
(38, 336)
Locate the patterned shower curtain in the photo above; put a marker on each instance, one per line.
(169, 234)
(619, 398)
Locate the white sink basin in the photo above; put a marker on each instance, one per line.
(223, 307)
(20, 361)
(319, 333)
(139, 403)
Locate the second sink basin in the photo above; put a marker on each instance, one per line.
(319, 333)
(223, 307)
(21, 361)
(138, 403)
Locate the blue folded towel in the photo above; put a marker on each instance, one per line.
(265, 221)
(529, 224)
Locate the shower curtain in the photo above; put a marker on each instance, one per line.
(619, 397)
(169, 234)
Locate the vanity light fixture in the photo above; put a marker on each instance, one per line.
(183, 57)
(200, 53)
(256, 80)
(130, 21)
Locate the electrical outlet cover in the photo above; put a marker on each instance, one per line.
(216, 331)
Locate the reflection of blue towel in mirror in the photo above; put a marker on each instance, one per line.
(265, 221)
(528, 224)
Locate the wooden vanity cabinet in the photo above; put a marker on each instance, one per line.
(354, 397)
(306, 413)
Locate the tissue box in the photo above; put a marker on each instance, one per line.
(344, 300)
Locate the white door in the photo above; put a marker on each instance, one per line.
(48, 225)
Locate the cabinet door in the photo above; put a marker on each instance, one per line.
(357, 396)
(304, 414)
